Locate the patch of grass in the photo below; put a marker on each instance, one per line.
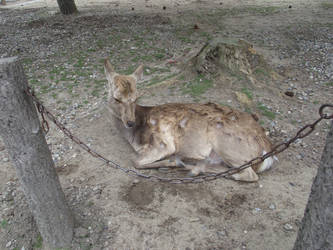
(181, 77)
(261, 72)
(266, 112)
(44, 89)
(79, 63)
(100, 43)
(197, 87)
(247, 92)
(54, 95)
(34, 82)
(248, 110)
(39, 242)
(27, 61)
(206, 35)
(330, 25)
(327, 5)
(159, 56)
(4, 224)
(329, 84)
(57, 69)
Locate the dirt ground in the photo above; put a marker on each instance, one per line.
(62, 57)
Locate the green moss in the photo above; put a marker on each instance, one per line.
(266, 112)
(247, 92)
(197, 87)
(38, 243)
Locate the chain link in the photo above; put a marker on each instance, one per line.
(303, 132)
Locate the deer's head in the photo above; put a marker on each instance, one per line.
(122, 93)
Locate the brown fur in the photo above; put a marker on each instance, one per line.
(199, 137)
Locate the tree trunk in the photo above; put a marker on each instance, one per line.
(67, 6)
(29, 153)
(316, 231)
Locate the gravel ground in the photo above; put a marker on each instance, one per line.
(62, 57)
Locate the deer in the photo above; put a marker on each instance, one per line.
(201, 138)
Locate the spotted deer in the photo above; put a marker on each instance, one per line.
(202, 138)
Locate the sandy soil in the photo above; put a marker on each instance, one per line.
(62, 59)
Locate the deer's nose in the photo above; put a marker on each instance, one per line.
(130, 124)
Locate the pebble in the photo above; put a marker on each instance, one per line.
(5, 159)
(136, 181)
(9, 243)
(221, 233)
(288, 227)
(194, 219)
(256, 210)
(272, 206)
(299, 157)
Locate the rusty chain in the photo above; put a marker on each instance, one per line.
(303, 132)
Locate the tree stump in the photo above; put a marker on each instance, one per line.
(24, 139)
(233, 56)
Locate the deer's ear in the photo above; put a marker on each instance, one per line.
(138, 73)
(109, 71)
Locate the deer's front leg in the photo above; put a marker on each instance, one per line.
(152, 154)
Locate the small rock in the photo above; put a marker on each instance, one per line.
(256, 210)
(288, 227)
(289, 93)
(136, 181)
(81, 232)
(272, 206)
(9, 243)
(221, 233)
(194, 219)
(5, 159)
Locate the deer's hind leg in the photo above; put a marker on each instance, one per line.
(215, 164)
